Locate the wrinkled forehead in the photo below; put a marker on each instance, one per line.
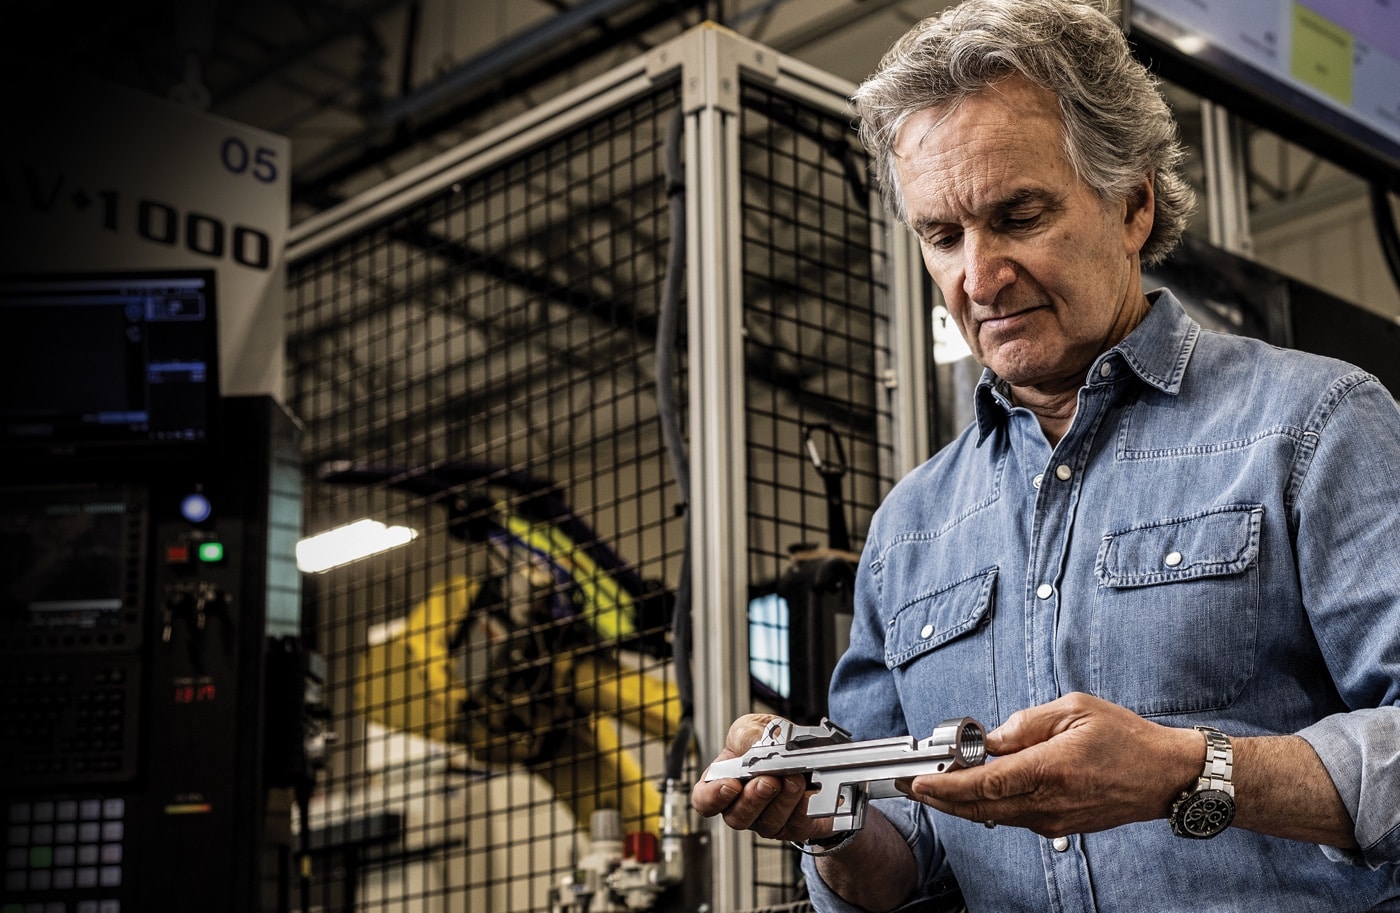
(1011, 100)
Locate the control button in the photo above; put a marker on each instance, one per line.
(1045, 591)
(87, 877)
(196, 508)
(90, 809)
(111, 876)
(211, 552)
(113, 808)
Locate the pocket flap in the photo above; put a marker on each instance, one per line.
(930, 621)
(1224, 541)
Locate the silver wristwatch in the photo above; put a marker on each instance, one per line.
(1208, 809)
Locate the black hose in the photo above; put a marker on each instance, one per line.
(1384, 217)
(668, 411)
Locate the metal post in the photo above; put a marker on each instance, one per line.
(719, 488)
(1227, 194)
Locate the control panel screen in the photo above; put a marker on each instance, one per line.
(70, 567)
(102, 361)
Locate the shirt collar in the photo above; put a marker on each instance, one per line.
(1157, 351)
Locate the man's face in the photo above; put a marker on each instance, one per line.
(1039, 273)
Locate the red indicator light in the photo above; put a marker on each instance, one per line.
(177, 554)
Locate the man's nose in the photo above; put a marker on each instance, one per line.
(986, 267)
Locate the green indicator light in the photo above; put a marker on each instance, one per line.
(211, 552)
(40, 857)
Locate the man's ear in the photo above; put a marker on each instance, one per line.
(1139, 215)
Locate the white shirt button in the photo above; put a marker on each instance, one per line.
(1060, 844)
(1045, 591)
(926, 632)
(1063, 472)
(1105, 369)
(1037, 480)
(1173, 559)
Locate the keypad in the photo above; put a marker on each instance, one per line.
(54, 846)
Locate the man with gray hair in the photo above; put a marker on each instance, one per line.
(1162, 564)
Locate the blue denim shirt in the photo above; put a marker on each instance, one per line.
(1216, 540)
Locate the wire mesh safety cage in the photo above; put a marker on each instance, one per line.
(478, 366)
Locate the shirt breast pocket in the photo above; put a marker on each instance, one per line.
(1176, 612)
(938, 645)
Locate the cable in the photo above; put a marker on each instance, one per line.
(668, 412)
(1384, 217)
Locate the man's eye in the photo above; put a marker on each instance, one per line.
(1018, 223)
(944, 241)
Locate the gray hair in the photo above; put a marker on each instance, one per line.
(1117, 126)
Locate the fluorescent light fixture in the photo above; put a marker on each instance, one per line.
(1190, 44)
(351, 542)
(948, 344)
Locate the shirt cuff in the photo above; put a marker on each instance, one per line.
(1361, 751)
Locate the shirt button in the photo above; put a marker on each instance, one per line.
(1060, 844)
(1045, 591)
(926, 632)
(1063, 472)
(1037, 480)
(1105, 369)
(1173, 559)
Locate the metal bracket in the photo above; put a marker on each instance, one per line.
(711, 58)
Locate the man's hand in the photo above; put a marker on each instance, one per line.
(770, 806)
(1073, 766)
(875, 872)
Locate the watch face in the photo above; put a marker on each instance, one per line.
(1204, 813)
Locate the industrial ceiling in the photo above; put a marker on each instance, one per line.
(365, 89)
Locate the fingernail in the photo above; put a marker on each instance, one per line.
(766, 788)
(728, 792)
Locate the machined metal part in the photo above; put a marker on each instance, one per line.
(844, 774)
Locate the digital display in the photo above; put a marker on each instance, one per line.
(70, 560)
(1324, 73)
(102, 361)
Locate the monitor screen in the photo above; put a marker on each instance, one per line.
(71, 562)
(1323, 73)
(101, 361)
